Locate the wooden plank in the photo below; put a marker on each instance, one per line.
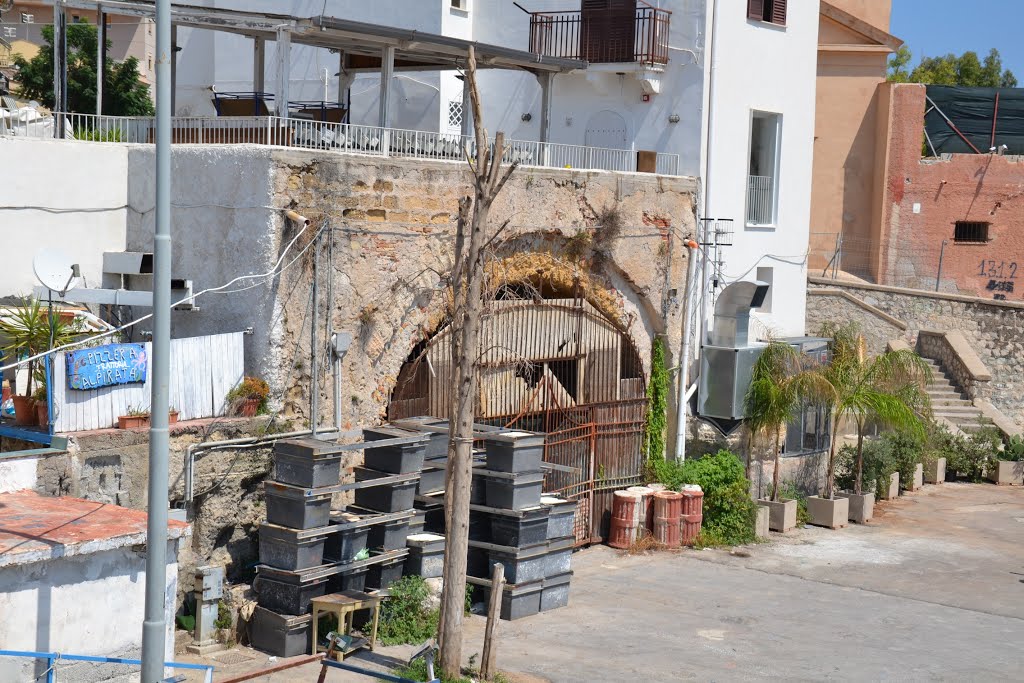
(487, 669)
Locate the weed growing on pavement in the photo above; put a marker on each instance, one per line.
(404, 619)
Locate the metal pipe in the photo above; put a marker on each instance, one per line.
(938, 275)
(710, 126)
(154, 627)
(101, 55)
(295, 217)
(314, 388)
(684, 364)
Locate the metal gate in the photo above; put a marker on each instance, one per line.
(557, 366)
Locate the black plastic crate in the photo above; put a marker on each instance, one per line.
(519, 601)
(522, 565)
(514, 451)
(386, 497)
(388, 535)
(528, 527)
(286, 596)
(561, 518)
(344, 545)
(280, 635)
(307, 472)
(426, 555)
(556, 592)
(382, 575)
(513, 491)
(431, 480)
(397, 459)
(352, 579)
(280, 547)
(287, 506)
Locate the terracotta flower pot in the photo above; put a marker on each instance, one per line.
(24, 410)
(172, 417)
(132, 421)
(250, 406)
(42, 413)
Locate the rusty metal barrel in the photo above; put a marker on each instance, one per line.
(668, 506)
(626, 511)
(692, 513)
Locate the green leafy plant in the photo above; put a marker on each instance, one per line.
(137, 411)
(27, 330)
(223, 619)
(657, 403)
(251, 388)
(1014, 450)
(887, 389)
(968, 457)
(728, 510)
(96, 135)
(790, 492)
(404, 618)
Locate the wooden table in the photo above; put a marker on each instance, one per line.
(345, 605)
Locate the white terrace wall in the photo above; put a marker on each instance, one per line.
(68, 195)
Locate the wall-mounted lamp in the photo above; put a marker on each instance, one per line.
(673, 118)
(527, 117)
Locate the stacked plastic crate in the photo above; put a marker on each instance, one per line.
(307, 550)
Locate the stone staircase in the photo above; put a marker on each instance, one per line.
(950, 403)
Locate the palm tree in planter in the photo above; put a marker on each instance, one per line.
(779, 388)
(26, 331)
(887, 389)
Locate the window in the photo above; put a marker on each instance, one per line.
(461, 5)
(762, 180)
(772, 11)
(970, 231)
(455, 114)
(766, 275)
(809, 431)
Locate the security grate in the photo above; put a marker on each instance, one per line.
(970, 231)
(455, 114)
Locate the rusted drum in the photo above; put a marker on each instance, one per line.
(647, 507)
(657, 487)
(625, 519)
(666, 532)
(668, 504)
(693, 513)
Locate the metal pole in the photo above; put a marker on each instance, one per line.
(684, 363)
(101, 56)
(938, 275)
(155, 625)
(314, 388)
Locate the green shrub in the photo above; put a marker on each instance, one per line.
(97, 135)
(1014, 449)
(788, 491)
(906, 450)
(404, 618)
(657, 402)
(728, 510)
(879, 463)
(968, 457)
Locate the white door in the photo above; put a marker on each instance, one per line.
(606, 129)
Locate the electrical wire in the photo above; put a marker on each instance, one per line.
(263, 276)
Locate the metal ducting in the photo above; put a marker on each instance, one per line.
(728, 357)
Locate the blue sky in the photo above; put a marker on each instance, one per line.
(937, 27)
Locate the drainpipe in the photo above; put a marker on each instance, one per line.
(710, 118)
(193, 449)
(684, 363)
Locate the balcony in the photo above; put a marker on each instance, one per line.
(760, 200)
(603, 32)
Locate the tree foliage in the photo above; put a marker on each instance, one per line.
(950, 69)
(124, 93)
(657, 406)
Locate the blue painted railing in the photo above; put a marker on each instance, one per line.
(53, 657)
(373, 674)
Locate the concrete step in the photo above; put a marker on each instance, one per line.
(956, 410)
(936, 402)
(944, 394)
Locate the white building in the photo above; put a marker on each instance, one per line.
(656, 71)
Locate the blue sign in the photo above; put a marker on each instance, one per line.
(104, 366)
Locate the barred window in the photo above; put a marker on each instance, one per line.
(455, 114)
(970, 231)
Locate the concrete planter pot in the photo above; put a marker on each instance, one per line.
(781, 514)
(892, 491)
(1007, 473)
(935, 472)
(862, 507)
(833, 514)
(917, 480)
(761, 522)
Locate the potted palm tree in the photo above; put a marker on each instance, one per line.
(779, 386)
(27, 331)
(887, 389)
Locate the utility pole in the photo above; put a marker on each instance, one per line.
(467, 293)
(154, 628)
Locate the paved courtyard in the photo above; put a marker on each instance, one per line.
(933, 589)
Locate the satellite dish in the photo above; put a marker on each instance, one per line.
(55, 271)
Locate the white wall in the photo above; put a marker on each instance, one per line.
(766, 68)
(18, 474)
(85, 605)
(62, 194)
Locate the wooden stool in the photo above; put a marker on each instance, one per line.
(345, 605)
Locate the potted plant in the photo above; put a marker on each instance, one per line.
(41, 406)
(135, 418)
(1007, 467)
(887, 389)
(172, 416)
(28, 331)
(249, 398)
(778, 388)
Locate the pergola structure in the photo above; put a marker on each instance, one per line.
(362, 48)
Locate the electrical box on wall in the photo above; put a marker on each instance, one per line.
(645, 98)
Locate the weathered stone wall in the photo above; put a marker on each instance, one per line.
(992, 328)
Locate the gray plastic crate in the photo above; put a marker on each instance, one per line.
(558, 559)
(519, 601)
(399, 459)
(287, 506)
(431, 480)
(511, 491)
(556, 592)
(382, 575)
(561, 518)
(389, 535)
(344, 545)
(480, 526)
(514, 451)
(476, 563)
(286, 597)
(353, 579)
(478, 488)
(308, 472)
(280, 635)
(386, 497)
(280, 548)
(522, 565)
(520, 528)
(426, 555)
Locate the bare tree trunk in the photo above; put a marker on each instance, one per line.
(775, 474)
(467, 284)
(750, 460)
(859, 481)
(830, 478)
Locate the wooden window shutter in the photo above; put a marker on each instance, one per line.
(779, 12)
(755, 9)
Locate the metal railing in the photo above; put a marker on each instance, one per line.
(760, 200)
(603, 36)
(337, 137)
(54, 658)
